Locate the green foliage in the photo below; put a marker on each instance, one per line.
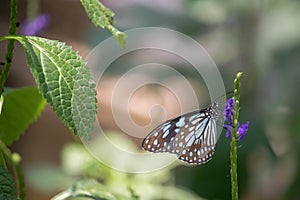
(77, 161)
(103, 17)
(10, 44)
(20, 108)
(53, 177)
(7, 185)
(64, 80)
(111, 184)
(90, 189)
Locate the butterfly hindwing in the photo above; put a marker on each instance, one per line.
(203, 147)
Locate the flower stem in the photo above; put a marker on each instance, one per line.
(233, 146)
(10, 44)
(15, 160)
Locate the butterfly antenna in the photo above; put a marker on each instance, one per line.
(230, 92)
(227, 93)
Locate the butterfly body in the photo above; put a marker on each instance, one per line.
(191, 136)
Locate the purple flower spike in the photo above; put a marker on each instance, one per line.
(242, 130)
(34, 26)
(228, 110)
(228, 115)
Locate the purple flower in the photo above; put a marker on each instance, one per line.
(228, 116)
(34, 26)
(228, 110)
(242, 130)
(228, 128)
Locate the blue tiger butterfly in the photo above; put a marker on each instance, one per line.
(191, 136)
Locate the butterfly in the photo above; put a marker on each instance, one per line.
(191, 136)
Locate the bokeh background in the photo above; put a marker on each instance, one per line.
(260, 38)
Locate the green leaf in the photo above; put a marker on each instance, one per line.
(48, 178)
(64, 80)
(7, 185)
(20, 108)
(90, 189)
(77, 160)
(103, 17)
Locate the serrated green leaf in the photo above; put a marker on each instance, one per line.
(103, 17)
(7, 185)
(64, 80)
(20, 108)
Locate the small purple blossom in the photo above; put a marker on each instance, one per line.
(228, 116)
(34, 26)
(228, 128)
(242, 130)
(228, 110)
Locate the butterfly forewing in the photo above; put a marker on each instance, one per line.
(192, 136)
(161, 139)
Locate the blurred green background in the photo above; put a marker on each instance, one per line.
(260, 38)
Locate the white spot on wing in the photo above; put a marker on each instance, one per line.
(166, 127)
(166, 133)
(180, 123)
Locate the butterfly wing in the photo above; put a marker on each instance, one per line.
(192, 137)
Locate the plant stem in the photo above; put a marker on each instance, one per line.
(12, 157)
(15, 160)
(20, 177)
(10, 44)
(2, 160)
(233, 146)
